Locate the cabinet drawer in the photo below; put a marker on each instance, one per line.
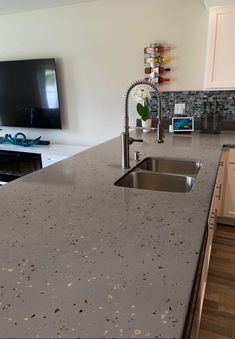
(217, 199)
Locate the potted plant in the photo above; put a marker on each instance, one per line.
(144, 111)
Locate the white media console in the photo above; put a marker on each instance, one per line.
(23, 160)
(50, 154)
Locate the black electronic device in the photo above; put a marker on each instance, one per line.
(29, 94)
(182, 124)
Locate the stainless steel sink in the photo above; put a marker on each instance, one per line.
(166, 165)
(156, 181)
(162, 174)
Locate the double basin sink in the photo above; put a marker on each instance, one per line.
(162, 174)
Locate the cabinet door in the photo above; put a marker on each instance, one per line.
(221, 181)
(229, 196)
(220, 72)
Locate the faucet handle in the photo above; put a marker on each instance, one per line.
(137, 155)
(131, 140)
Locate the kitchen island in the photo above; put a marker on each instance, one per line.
(80, 257)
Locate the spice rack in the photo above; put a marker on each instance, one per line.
(155, 60)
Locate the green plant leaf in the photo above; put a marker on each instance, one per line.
(143, 111)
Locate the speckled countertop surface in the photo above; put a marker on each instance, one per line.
(80, 257)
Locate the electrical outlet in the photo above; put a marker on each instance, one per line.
(179, 109)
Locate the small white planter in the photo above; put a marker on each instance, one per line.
(146, 124)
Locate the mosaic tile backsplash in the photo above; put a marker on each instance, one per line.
(195, 101)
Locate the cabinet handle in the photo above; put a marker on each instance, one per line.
(219, 193)
(212, 219)
(221, 163)
(231, 163)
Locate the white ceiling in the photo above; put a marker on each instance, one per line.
(16, 6)
(215, 3)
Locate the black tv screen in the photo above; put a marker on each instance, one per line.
(29, 94)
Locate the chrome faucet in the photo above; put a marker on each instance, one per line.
(126, 140)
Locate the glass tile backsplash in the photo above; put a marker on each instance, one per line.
(194, 102)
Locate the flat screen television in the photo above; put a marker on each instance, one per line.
(29, 94)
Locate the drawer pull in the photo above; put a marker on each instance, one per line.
(212, 219)
(219, 192)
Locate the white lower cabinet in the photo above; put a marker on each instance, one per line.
(222, 208)
(226, 213)
(204, 262)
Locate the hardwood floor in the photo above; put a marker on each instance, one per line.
(218, 315)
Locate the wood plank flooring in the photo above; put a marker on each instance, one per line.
(218, 315)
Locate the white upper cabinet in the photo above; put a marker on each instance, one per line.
(220, 68)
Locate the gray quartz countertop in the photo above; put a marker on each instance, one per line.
(80, 257)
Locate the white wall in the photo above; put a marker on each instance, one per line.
(99, 50)
(16, 6)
